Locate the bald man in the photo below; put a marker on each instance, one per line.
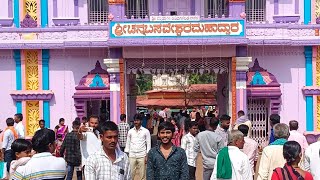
(295, 135)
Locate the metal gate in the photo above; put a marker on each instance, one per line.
(258, 113)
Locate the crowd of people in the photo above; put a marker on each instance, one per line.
(166, 147)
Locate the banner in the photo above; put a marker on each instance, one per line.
(221, 28)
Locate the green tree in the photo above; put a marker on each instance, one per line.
(202, 79)
(144, 83)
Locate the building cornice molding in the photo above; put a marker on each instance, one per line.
(45, 95)
(311, 90)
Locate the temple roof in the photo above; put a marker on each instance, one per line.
(257, 76)
(97, 78)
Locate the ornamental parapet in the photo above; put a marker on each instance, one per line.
(44, 95)
(82, 36)
(54, 37)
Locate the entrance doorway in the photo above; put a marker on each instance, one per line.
(100, 108)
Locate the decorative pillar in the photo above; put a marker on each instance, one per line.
(307, 11)
(236, 7)
(117, 8)
(309, 82)
(16, 15)
(242, 68)
(113, 69)
(45, 85)
(233, 89)
(17, 59)
(44, 13)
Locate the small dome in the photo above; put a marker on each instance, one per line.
(257, 76)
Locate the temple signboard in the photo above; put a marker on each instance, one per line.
(217, 28)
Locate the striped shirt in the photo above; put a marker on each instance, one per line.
(187, 143)
(123, 132)
(42, 166)
(99, 166)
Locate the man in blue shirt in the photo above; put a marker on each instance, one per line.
(166, 161)
(274, 119)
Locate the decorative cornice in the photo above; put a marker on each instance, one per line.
(312, 136)
(242, 63)
(32, 95)
(113, 2)
(311, 90)
(113, 66)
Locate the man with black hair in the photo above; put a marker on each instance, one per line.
(295, 135)
(223, 128)
(167, 161)
(89, 138)
(188, 142)
(274, 119)
(19, 126)
(209, 143)
(250, 147)
(42, 165)
(70, 150)
(138, 145)
(109, 162)
(9, 136)
(123, 131)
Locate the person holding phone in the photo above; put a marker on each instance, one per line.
(89, 138)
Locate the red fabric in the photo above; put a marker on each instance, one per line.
(277, 174)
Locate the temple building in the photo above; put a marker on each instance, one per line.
(80, 57)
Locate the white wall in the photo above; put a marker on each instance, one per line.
(4, 9)
(65, 8)
(289, 69)
(66, 69)
(8, 84)
(83, 11)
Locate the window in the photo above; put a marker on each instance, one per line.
(217, 8)
(137, 8)
(256, 10)
(98, 11)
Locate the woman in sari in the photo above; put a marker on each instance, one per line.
(177, 134)
(291, 170)
(61, 128)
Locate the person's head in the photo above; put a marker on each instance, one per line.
(225, 121)
(293, 125)
(61, 121)
(109, 135)
(194, 109)
(274, 119)
(198, 116)
(44, 141)
(18, 117)
(212, 123)
(59, 137)
(292, 152)
(193, 128)
(76, 125)
(84, 119)
(236, 138)
(123, 117)
(10, 122)
(137, 120)
(240, 113)
(173, 121)
(21, 148)
(41, 123)
(77, 119)
(94, 121)
(244, 129)
(165, 132)
(281, 131)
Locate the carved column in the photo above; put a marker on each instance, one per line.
(236, 7)
(113, 69)
(117, 8)
(241, 75)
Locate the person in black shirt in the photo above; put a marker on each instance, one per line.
(71, 149)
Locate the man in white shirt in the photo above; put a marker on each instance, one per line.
(8, 137)
(187, 143)
(19, 125)
(138, 145)
(312, 160)
(42, 165)
(109, 162)
(223, 128)
(89, 138)
(250, 147)
(239, 167)
(295, 135)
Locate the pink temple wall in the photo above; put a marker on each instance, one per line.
(286, 8)
(66, 69)
(8, 84)
(288, 66)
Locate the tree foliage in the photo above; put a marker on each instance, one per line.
(144, 83)
(202, 79)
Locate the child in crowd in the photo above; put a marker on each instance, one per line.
(21, 149)
(59, 142)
